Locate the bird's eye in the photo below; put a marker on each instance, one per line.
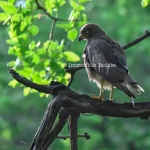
(86, 31)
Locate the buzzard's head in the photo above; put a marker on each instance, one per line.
(89, 30)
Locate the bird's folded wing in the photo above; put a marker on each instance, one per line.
(107, 59)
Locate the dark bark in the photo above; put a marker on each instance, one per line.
(73, 129)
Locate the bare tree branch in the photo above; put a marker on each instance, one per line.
(52, 30)
(72, 71)
(73, 129)
(48, 89)
(51, 34)
(136, 41)
(85, 135)
(52, 17)
(85, 104)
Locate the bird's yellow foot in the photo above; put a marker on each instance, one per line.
(97, 97)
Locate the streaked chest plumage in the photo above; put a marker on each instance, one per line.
(95, 77)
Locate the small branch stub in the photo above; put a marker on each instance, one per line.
(85, 135)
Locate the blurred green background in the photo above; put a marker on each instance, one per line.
(21, 115)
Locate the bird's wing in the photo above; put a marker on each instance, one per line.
(107, 59)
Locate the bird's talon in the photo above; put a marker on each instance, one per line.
(96, 97)
(111, 99)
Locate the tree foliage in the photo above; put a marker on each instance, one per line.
(41, 61)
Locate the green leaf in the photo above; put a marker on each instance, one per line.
(61, 2)
(13, 83)
(80, 7)
(26, 72)
(4, 16)
(36, 59)
(67, 76)
(34, 30)
(25, 22)
(65, 26)
(54, 65)
(62, 25)
(73, 4)
(26, 91)
(36, 78)
(49, 4)
(32, 45)
(16, 17)
(11, 1)
(84, 1)
(71, 56)
(84, 16)
(74, 15)
(72, 34)
(8, 7)
(23, 25)
(33, 91)
(42, 73)
(42, 94)
(144, 3)
(11, 64)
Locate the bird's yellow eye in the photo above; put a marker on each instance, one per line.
(86, 31)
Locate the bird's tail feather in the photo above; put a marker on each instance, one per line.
(129, 86)
(133, 86)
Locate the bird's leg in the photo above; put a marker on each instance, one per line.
(111, 93)
(100, 97)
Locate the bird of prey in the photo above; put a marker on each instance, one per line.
(105, 63)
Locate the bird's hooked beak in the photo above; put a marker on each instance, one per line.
(80, 38)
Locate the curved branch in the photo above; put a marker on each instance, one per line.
(72, 71)
(136, 41)
(48, 89)
(85, 104)
(52, 17)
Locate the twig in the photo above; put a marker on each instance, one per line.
(84, 103)
(48, 89)
(51, 34)
(146, 35)
(85, 135)
(52, 17)
(73, 70)
(52, 29)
